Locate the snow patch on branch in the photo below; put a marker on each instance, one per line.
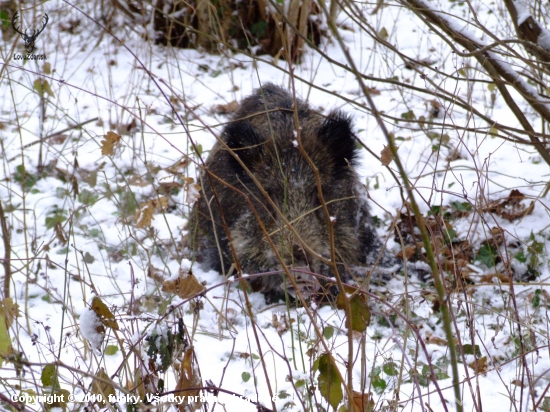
(454, 24)
(521, 85)
(525, 88)
(523, 12)
(544, 39)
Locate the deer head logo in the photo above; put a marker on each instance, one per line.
(29, 36)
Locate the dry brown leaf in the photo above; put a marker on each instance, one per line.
(144, 215)
(179, 167)
(161, 204)
(481, 365)
(460, 270)
(193, 193)
(373, 91)
(386, 155)
(104, 314)
(10, 310)
(137, 180)
(108, 145)
(408, 252)
(434, 340)
(362, 402)
(58, 138)
(102, 385)
(168, 187)
(59, 233)
(155, 274)
(228, 108)
(510, 208)
(435, 107)
(189, 377)
(142, 385)
(489, 278)
(282, 325)
(185, 286)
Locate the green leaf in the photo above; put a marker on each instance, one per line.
(5, 18)
(87, 197)
(299, 383)
(37, 85)
(449, 234)
(440, 375)
(42, 86)
(259, 29)
(461, 207)
(49, 376)
(5, 341)
(378, 384)
(408, 115)
(111, 349)
(245, 376)
(435, 210)
(390, 368)
(520, 256)
(536, 299)
(88, 258)
(46, 87)
(535, 249)
(283, 394)
(329, 382)
(328, 331)
(424, 378)
(161, 345)
(487, 255)
(21, 174)
(55, 216)
(469, 349)
(360, 312)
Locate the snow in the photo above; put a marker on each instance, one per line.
(89, 323)
(544, 39)
(103, 79)
(523, 12)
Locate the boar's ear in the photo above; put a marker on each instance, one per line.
(245, 142)
(336, 133)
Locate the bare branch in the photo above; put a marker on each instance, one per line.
(536, 36)
(500, 71)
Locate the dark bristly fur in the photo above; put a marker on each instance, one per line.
(263, 136)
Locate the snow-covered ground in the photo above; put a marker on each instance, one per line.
(73, 232)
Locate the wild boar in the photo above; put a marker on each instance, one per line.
(258, 173)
